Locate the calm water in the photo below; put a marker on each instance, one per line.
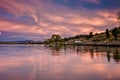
(39, 62)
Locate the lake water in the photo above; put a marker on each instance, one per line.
(40, 62)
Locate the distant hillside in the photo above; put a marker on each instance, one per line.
(114, 35)
(106, 36)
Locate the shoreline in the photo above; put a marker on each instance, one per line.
(80, 44)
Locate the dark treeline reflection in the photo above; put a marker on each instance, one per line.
(111, 53)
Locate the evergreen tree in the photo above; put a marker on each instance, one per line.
(90, 35)
(107, 33)
(115, 33)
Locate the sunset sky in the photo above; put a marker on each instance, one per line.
(39, 19)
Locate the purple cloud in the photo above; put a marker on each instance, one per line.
(45, 17)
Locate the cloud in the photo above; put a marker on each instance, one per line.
(47, 17)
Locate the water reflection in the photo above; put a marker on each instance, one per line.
(116, 55)
(94, 51)
(70, 62)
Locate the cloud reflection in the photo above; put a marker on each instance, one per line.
(73, 62)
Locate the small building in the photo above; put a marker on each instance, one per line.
(77, 42)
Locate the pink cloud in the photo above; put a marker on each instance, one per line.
(54, 19)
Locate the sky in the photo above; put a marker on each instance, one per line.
(39, 19)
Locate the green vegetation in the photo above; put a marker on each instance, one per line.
(55, 39)
(90, 35)
(115, 33)
(107, 33)
(106, 36)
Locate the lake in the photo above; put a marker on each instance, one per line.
(43, 62)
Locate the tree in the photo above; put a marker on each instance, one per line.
(90, 35)
(115, 33)
(107, 33)
(56, 38)
(96, 33)
(118, 17)
(65, 39)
